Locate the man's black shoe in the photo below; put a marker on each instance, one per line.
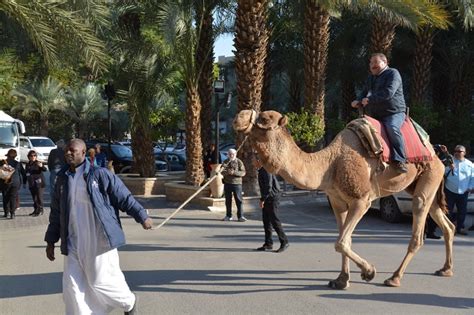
(282, 248)
(461, 232)
(133, 311)
(400, 167)
(265, 248)
(471, 228)
(433, 236)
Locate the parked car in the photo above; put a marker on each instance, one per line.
(42, 146)
(392, 208)
(175, 161)
(122, 158)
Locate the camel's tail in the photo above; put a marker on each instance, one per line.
(441, 198)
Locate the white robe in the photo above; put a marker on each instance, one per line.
(93, 282)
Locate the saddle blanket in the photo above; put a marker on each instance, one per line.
(415, 150)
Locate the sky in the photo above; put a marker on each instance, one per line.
(224, 46)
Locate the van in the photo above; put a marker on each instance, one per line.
(42, 146)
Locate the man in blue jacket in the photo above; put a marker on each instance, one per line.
(85, 217)
(383, 96)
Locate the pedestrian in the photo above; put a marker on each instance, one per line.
(91, 157)
(34, 174)
(11, 186)
(269, 202)
(85, 217)
(210, 158)
(383, 97)
(233, 172)
(55, 163)
(101, 157)
(459, 182)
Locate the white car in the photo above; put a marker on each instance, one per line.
(393, 207)
(42, 146)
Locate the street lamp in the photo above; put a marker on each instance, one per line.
(109, 91)
(219, 88)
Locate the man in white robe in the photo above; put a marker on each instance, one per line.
(84, 214)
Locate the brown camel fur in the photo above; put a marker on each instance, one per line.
(351, 181)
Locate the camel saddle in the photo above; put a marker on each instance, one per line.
(374, 138)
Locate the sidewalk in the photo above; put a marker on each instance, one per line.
(197, 264)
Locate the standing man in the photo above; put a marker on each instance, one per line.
(269, 202)
(233, 172)
(459, 181)
(384, 96)
(85, 216)
(55, 163)
(100, 157)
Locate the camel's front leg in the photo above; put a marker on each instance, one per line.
(448, 233)
(340, 211)
(420, 211)
(356, 211)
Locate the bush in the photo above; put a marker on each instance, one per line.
(306, 128)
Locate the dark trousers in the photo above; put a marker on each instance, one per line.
(37, 195)
(460, 201)
(9, 199)
(270, 219)
(236, 191)
(393, 125)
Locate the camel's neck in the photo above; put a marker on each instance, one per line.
(282, 156)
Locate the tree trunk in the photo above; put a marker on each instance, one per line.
(383, 33)
(142, 144)
(44, 127)
(422, 65)
(294, 91)
(205, 60)
(267, 82)
(251, 40)
(194, 162)
(316, 39)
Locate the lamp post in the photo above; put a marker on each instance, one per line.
(109, 91)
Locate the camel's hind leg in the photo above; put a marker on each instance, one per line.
(420, 211)
(357, 209)
(448, 233)
(340, 211)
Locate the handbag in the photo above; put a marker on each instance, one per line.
(6, 173)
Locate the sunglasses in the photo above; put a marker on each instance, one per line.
(459, 151)
(31, 155)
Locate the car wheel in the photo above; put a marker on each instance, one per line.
(389, 210)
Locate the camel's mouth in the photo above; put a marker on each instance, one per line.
(244, 121)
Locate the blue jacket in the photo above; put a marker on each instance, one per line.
(385, 94)
(107, 193)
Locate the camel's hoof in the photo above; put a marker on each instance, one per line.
(369, 274)
(444, 273)
(392, 282)
(338, 284)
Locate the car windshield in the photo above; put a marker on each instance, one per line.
(122, 151)
(42, 142)
(8, 134)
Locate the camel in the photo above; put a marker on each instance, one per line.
(349, 176)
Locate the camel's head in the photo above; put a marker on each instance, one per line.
(267, 120)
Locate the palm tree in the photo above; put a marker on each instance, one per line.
(424, 50)
(51, 27)
(41, 99)
(251, 40)
(388, 15)
(179, 26)
(84, 107)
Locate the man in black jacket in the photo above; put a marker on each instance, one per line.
(383, 96)
(269, 202)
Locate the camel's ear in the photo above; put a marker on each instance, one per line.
(283, 121)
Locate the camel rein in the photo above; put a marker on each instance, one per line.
(197, 191)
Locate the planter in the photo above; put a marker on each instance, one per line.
(148, 186)
(217, 186)
(179, 191)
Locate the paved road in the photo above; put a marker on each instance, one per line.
(197, 264)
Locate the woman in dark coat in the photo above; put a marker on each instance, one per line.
(35, 177)
(11, 186)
